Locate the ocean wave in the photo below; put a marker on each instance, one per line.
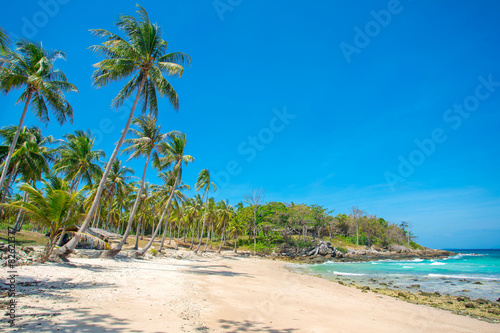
(348, 274)
(438, 264)
(461, 277)
(461, 255)
(407, 266)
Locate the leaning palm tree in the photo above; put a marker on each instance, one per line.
(147, 139)
(204, 182)
(142, 55)
(78, 160)
(173, 151)
(54, 207)
(31, 68)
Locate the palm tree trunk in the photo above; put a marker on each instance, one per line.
(223, 231)
(112, 196)
(136, 247)
(76, 183)
(192, 235)
(18, 227)
(167, 208)
(99, 216)
(169, 233)
(95, 218)
(14, 141)
(48, 249)
(12, 178)
(118, 247)
(166, 212)
(208, 238)
(142, 230)
(120, 222)
(236, 244)
(203, 225)
(178, 236)
(184, 232)
(70, 246)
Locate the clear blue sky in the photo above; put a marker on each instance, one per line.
(337, 103)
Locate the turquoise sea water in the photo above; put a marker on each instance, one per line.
(473, 273)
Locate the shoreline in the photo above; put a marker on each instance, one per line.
(461, 304)
(184, 292)
(478, 308)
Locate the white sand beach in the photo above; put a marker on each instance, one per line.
(210, 293)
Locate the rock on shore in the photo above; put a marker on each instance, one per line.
(324, 251)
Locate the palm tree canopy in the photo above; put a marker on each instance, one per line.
(173, 152)
(204, 182)
(142, 55)
(31, 67)
(118, 177)
(31, 157)
(147, 137)
(78, 159)
(54, 207)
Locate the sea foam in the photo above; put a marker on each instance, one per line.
(460, 277)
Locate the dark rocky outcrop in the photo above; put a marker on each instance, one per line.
(323, 251)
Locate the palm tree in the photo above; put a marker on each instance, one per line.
(54, 208)
(31, 68)
(117, 179)
(194, 208)
(143, 56)
(30, 158)
(235, 228)
(173, 151)
(147, 138)
(78, 160)
(211, 218)
(225, 212)
(204, 182)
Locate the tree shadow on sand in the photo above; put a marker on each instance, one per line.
(232, 326)
(82, 320)
(203, 271)
(51, 288)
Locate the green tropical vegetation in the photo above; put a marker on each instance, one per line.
(51, 185)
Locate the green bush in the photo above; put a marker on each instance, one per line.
(414, 245)
(304, 243)
(342, 249)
